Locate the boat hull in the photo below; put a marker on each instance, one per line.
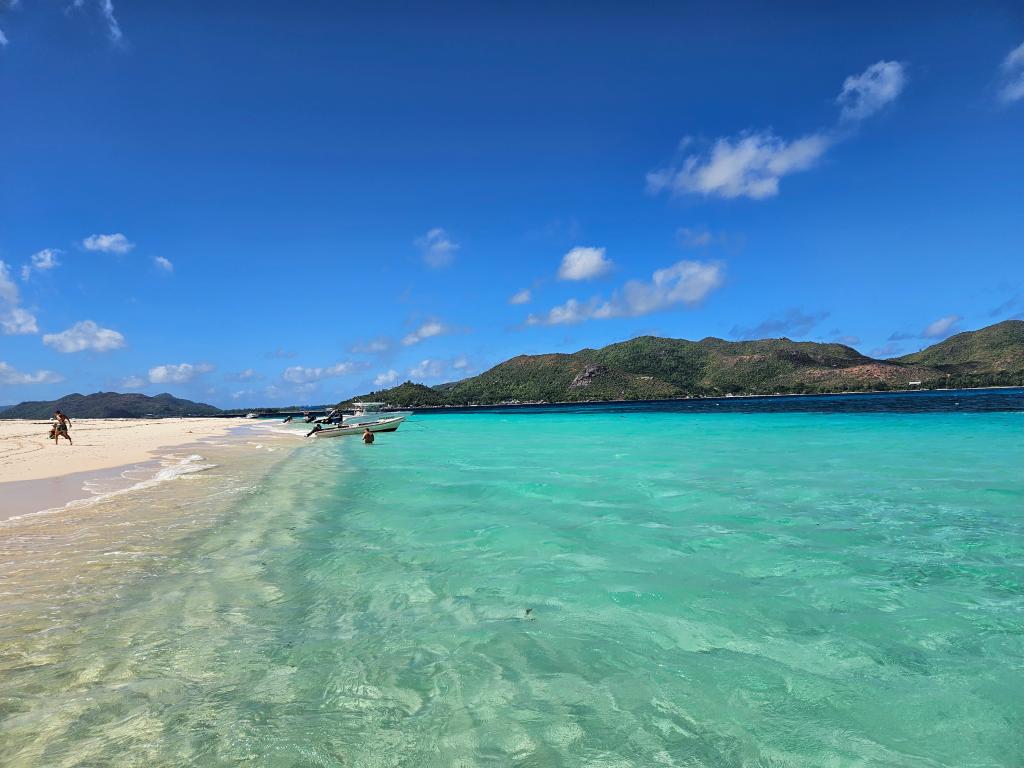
(383, 425)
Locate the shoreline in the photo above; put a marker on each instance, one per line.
(36, 478)
(98, 444)
(688, 398)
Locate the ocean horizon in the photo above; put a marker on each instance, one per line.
(573, 587)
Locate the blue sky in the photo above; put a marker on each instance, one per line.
(270, 203)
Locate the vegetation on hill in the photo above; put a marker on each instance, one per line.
(989, 356)
(649, 367)
(110, 405)
(403, 396)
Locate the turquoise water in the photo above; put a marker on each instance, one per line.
(704, 590)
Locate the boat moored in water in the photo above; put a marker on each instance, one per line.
(365, 415)
(387, 424)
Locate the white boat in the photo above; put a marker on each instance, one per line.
(366, 413)
(387, 424)
(252, 415)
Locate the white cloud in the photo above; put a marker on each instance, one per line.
(84, 335)
(684, 283)
(941, 327)
(1013, 76)
(3, 39)
(11, 375)
(113, 28)
(694, 238)
(385, 379)
(584, 264)
(17, 321)
(460, 363)
(521, 297)
(298, 374)
(8, 288)
(133, 382)
(116, 243)
(864, 94)
(749, 165)
(425, 331)
(428, 369)
(753, 163)
(164, 264)
(181, 373)
(371, 347)
(13, 319)
(40, 261)
(437, 247)
(247, 375)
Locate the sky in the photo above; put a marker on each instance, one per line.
(283, 203)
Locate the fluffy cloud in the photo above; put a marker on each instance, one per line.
(584, 264)
(437, 247)
(84, 335)
(428, 369)
(298, 374)
(163, 264)
(182, 373)
(753, 163)
(425, 331)
(793, 322)
(684, 283)
(248, 374)
(106, 9)
(941, 327)
(889, 350)
(17, 321)
(8, 289)
(371, 347)
(13, 319)
(864, 94)
(116, 243)
(749, 165)
(937, 329)
(1013, 76)
(385, 379)
(113, 28)
(3, 39)
(11, 375)
(133, 382)
(520, 297)
(40, 261)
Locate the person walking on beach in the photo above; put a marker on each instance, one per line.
(367, 436)
(61, 427)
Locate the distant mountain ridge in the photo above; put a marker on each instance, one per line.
(110, 405)
(649, 367)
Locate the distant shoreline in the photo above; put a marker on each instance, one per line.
(533, 404)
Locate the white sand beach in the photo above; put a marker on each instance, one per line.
(27, 454)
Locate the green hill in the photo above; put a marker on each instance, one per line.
(649, 367)
(110, 405)
(992, 355)
(403, 396)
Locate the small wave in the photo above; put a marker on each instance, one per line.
(169, 471)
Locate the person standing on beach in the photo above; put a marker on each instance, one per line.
(61, 427)
(367, 436)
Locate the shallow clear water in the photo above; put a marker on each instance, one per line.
(705, 590)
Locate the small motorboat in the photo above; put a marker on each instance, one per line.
(252, 415)
(367, 413)
(387, 424)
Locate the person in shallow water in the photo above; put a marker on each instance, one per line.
(60, 428)
(367, 436)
